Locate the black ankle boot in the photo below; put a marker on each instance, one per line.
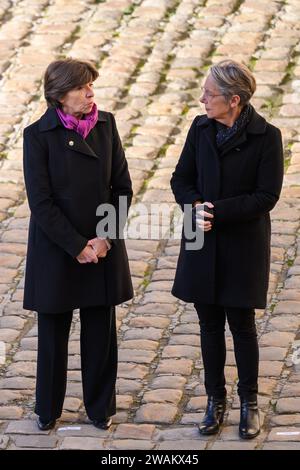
(214, 416)
(249, 423)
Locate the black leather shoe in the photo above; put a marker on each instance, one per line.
(102, 424)
(249, 422)
(214, 416)
(44, 426)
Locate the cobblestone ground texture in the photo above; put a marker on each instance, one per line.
(152, 56)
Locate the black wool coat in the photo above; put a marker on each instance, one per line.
(244, 183)
(66, 179)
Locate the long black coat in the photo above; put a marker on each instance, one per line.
(66, 179)
(244, 184)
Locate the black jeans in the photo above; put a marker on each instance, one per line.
(99, 358)
(242, 326)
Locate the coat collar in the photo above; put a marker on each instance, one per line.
(73, 141)
(50, 120)
(257, 124)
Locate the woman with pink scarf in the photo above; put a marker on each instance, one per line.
(73, 163)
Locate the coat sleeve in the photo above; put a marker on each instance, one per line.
(268, 186)
(183, 181)
(121, 185)
(46, 213)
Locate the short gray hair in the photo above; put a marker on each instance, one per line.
(234, 78)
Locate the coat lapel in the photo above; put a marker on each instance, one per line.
(75, 142)
(72, 140)
(234, 143)
(211, 165)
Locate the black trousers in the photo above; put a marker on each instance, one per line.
(242, 326)
(99, 358)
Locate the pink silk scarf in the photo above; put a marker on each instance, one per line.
(81, 126)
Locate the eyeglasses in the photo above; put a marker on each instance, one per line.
(208, 93)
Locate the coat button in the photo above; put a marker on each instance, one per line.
(237, 149)
(71, 143)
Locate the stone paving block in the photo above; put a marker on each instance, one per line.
(277, 338)
(147, 321)
(28, 344)
(131, 371)
(287, 307)
(136, 355)
(179, 434)
(12, 322)
(191, 340)
(7, 396)
(16, 383)
(152, 334)
(266, 385)
(7, 275)
(168, 381)
(14, 308)
(163, 396)
(124, 402)
(181, 351)
(78, 443)
(36, 441)
(72, 404)
(288, 405)
(134, 431)
(159, 286)
(196, 403)
(287, 434)
(129, 444)
(270, 368)
(192, 444)
(81, 429)
(289, 294)
(138, 268)
(157, 309)
(285, 419)
(281, 446)
(8, 335)
(10, 412)
(156, 413)
(4, 442)
(192, 418)
(139, 344)
(187, 328)
(26, 427)
(285, 323)
(181, 366)
(128, 386)
(161, 297)
(241, 445)
(25, 369)
(290, 390)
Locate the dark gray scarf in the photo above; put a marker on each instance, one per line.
(225, 133)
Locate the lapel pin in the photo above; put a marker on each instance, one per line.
(71, 143)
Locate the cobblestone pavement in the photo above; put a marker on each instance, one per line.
(152, 56)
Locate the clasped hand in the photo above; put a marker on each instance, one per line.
(202, 216)
(95, 248)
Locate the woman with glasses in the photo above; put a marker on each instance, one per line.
(230, 171)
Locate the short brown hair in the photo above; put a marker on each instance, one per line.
(233, 78)
(64, 75)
